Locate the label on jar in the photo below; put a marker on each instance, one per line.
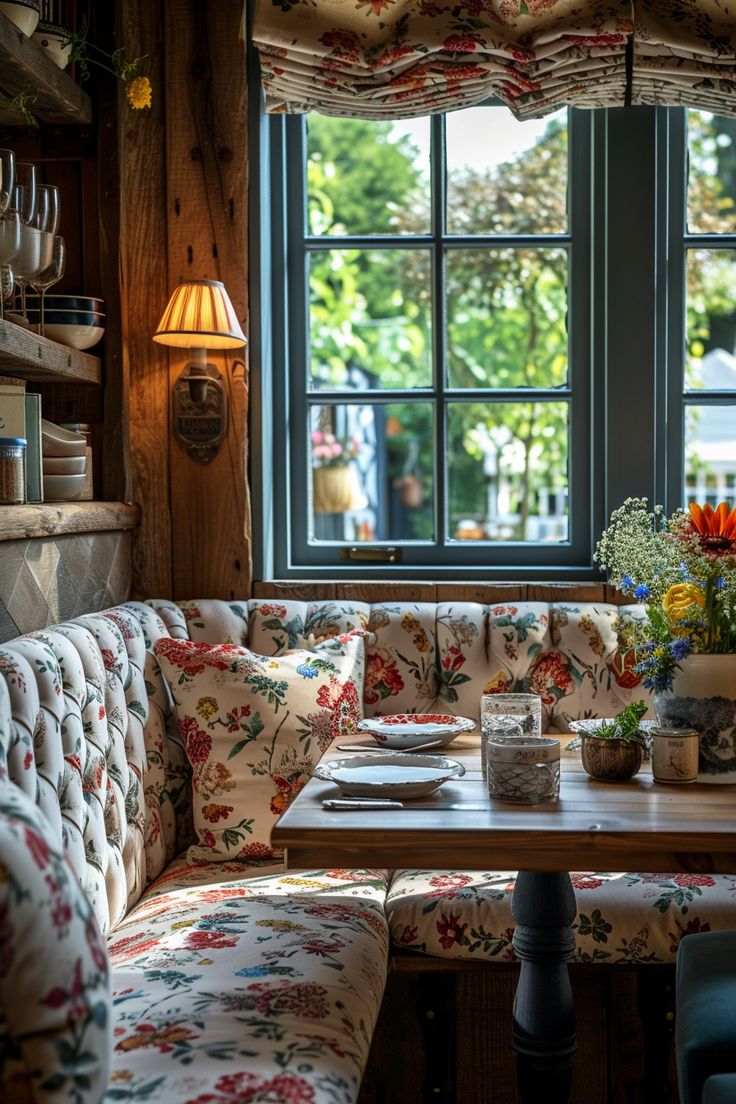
(675, 756)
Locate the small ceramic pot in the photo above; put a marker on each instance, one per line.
(55, 40)
(610, 760)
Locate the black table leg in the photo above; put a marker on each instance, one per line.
(543, 906)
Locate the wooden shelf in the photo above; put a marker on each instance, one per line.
(24, 65)
(25, 354)
(51, 519)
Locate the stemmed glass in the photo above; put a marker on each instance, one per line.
(7, 178)
(10, 230)
(50, 275)
(25, 191)
(48, 209)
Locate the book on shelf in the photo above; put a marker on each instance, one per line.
(34, 478)
(12, 407)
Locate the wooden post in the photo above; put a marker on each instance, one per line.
(207, 210)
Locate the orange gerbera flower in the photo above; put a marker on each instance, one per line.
(716, 528)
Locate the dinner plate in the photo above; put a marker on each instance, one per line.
(395, 776)
(403, 730)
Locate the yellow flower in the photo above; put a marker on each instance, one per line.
(206, 707)
(139, 92)
(680, 598)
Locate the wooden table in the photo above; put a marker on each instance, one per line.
(639, 825)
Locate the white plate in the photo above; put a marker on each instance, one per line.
(404, 730)
(396, 776)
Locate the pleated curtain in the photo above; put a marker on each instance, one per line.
(376, 59)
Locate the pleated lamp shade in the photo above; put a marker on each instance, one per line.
(201, 315)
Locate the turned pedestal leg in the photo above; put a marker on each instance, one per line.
(543, 906)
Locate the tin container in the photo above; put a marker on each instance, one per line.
(675, 754)
(12, 470)
(524, 769)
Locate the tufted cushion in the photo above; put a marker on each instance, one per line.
(253, 727)
(620, 917)
(234, 988)
(55, 1011)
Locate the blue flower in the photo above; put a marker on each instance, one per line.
(642, 592)
(720, 582)
(626, 584)
(681, 648)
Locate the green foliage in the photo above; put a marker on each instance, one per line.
(625, 725)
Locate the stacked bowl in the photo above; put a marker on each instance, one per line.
(74, 320)
(64, 462)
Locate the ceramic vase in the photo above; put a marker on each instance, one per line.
(703, 697)
(610, 760)
(23, 13)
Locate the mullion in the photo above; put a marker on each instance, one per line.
(439, 324)
(449, 241)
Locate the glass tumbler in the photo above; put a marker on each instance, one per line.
(524, 709)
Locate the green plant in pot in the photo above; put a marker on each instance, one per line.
(612, 750)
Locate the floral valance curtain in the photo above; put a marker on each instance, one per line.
(398, 58)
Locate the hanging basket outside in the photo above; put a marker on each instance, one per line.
(335, 490)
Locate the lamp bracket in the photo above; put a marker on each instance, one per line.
(199, 402)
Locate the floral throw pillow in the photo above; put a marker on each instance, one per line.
(253, 727)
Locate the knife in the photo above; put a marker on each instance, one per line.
(337, 803)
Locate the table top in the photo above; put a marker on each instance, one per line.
(640, 825)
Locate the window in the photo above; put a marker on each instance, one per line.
(710, 267)
(505, 328)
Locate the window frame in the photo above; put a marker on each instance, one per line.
(629, 405)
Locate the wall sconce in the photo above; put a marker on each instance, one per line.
(199, 317)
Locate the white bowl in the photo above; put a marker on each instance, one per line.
(59, 488)
(64, 465)
(407, 730)
(76, 337)
(24, 15)
(56, 441)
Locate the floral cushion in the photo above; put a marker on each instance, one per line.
(231, 988)
(632, 918)
(253, 728)
(55, 1011)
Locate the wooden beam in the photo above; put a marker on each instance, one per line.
(48, 519)
(23, 353)
(207, 213)
(144, 292)
(25, 65)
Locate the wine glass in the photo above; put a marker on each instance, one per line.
(25, 179)
(7, 178)
(50, 275)
(9, 245)
(29, 260)
(48, 209)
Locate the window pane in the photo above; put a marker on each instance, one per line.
(506, 176)
(372, 472)
(712, 173)
(710, 456)
(370, 318)
(367, 177)
(508, 471)
(507, 317)
(711, 319)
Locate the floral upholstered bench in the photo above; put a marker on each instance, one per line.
(146, 953)
(441, 657)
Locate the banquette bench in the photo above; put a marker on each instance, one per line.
(231, 979)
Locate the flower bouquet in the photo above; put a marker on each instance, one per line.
(683, 569)
(329, 451)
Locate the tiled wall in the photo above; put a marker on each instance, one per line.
(51, 579)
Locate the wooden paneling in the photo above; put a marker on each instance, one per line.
(205, 79)
(144, 282)
(390, 591)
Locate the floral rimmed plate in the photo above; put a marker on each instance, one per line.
(396, 776)
(405, 730)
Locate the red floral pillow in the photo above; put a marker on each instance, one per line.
(253, 727)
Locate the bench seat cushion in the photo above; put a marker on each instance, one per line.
(234, 987)
(629, 918)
